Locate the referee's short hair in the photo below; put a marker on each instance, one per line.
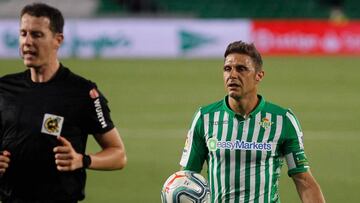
(249, 49)
(43, 10)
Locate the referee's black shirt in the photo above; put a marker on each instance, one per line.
(30, 115)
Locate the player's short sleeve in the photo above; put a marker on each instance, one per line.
(293, 147)
(195, 150)
(98, 118)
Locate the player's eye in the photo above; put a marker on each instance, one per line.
(227, 68)
(241, 68)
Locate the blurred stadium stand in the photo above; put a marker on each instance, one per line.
(255, 9)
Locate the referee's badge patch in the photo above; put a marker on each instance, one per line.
(52, 124)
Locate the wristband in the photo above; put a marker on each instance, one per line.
(86, 161)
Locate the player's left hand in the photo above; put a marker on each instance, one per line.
(66, 158)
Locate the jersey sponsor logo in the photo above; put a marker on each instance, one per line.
(99, 113)
(52, 124)
(265, 123)
(94, 93)
(213, 144)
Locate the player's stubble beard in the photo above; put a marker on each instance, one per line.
(235, 96)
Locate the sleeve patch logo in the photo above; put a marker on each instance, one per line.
(94, 93)
(99, 113)
(52, 124)
(301, 159)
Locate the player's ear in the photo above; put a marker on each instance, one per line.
(259, 75)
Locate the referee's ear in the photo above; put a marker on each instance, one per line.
(58, 40)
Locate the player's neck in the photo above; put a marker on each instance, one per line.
(243, 106)
(44, 73)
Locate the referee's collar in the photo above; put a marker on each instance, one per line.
(258, 108)
(57, 76)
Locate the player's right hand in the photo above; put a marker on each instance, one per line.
(4, 161)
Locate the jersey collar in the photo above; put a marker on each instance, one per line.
(258, 108)
(58, 75)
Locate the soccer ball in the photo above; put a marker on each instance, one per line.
(185, 187)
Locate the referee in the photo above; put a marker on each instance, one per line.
(46, 114)
(243, 138)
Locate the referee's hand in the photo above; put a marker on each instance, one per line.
(66, 158)
(4, 161)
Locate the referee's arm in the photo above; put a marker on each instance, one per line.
(111, 157)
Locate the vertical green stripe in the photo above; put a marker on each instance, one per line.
(227, 159)
(267, 174)
(238, 163)
(218, 158)
(248, 160)
(210, 132)
(258, 161)
(257, 176)
(268, 156)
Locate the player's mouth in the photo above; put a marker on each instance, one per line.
(233, 85)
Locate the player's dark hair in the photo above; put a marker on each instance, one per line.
(249, 49)
(43, 10)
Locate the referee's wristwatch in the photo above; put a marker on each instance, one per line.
(86, 161)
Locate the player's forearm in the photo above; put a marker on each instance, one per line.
(111, 158)
(308, 189)
(312, 195)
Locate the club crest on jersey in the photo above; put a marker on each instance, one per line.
(265, 123)
(52, 124)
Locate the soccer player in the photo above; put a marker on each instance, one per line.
(46, 114)
(244, 138)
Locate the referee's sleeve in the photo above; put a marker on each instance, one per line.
(195, 150)
(98, 113)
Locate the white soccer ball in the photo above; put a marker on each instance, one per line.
(185, 187)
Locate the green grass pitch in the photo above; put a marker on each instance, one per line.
(152, 103)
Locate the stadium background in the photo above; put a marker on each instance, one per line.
(153, 98)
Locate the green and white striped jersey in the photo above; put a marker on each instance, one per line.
(244, 156)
